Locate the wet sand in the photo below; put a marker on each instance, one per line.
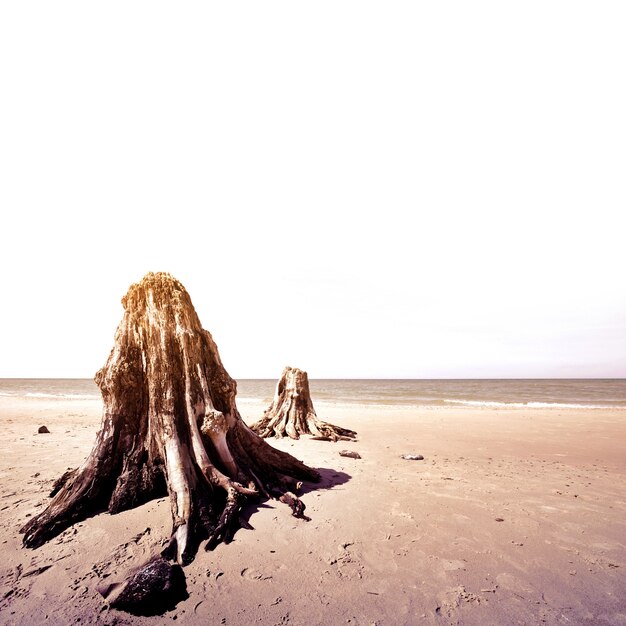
(513, 517)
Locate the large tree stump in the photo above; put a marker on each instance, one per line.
(292, 414)
(170, 425)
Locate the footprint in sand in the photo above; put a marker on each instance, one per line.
(254, 574)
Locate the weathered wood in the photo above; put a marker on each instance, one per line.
(170, 425)
(292, 414)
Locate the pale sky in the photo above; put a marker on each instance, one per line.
(358, 189)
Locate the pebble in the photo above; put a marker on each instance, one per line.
(349, 453)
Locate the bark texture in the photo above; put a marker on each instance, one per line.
(291, 413)
(170, 425)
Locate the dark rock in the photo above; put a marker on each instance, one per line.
(154, 588)
(349, 453)
(43, 429)
(413, 457)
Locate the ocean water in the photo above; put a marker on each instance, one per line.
(538, 393)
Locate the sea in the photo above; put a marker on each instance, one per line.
(478, 393)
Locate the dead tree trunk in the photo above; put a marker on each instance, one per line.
(292, 414)
(170, 425)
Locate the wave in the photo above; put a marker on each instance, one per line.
(328, 395)
(65, 396)
(531, 405)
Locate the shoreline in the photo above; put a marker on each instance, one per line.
(262, 403)
(390, 541)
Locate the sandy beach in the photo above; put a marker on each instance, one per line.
(513, 517)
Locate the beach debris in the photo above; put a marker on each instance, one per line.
(296, 505)
(350, 453)
(155, 587)
(412, 457)
(291, 413)
(170, 424)
(43, 429)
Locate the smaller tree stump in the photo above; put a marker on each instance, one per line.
(291, 413)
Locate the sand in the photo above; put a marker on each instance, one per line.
(513, 517)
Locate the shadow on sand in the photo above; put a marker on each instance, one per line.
(330, 478)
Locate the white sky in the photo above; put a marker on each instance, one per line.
(359, 189)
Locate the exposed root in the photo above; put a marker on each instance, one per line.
(296, 505)
(59, 482)
(227, 525)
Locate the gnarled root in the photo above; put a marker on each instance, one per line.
(206, 503)
(296, 505)
(228, 522)
(323, 431)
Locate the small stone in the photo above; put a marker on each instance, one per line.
(499, 519)
(350, 453)
(43, 429)
(412, 457)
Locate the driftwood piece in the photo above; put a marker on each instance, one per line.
(292, 414)
(170, 425)
(350, 454)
